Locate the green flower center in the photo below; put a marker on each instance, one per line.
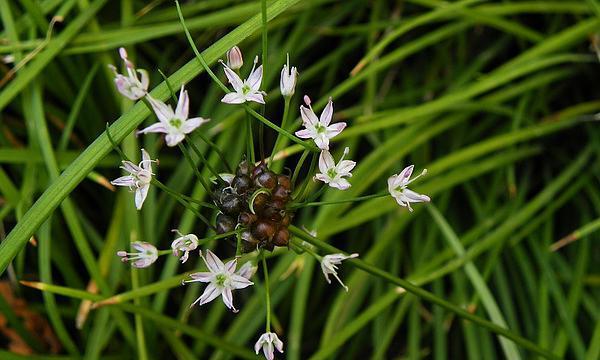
(176, 123)
(246, 89)
(331, 173)
(320, 128)
(220, 279)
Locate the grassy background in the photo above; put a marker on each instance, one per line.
(496, 99)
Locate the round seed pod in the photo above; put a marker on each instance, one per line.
(224, 223)
(264, 230)
(277, 204)
(241, 184)
(247, 218)
(285, 221)
(266, 179)
(285, 182)
(249, 242)
(231, 204)
(260, 201)
(244, 168)
(282, 237)
(281, 193)
(271, 213)
(259, 169)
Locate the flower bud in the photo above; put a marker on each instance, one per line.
(234, 58)
(287, 82)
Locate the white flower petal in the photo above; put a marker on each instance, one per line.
(192, 124)
(233, 98)
(213, 263)
(140, 196)
(327, 113)
(233, 78)
(183, 105)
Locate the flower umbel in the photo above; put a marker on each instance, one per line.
(222, 280)
(328, 266)
(173, 123)
(319, 129)
(268, 342)
(138, 179)
(247, 90)
(145, 256)
(185, 244)
(397, 186)
(131, 86)
(234, 58)
(333, 174)
(287, 82)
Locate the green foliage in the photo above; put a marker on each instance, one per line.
(496, 99)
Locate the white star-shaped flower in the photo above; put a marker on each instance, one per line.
(131, 86)
(268, 342)
(247, 90)
(222, 279)
(328, 266)
(397, 186)
(139, 178)
(173, 123)
(185, 244)
(145, 256)
(319, 129)
(333, 174)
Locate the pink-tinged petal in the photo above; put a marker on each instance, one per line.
(140, 196)
(404, 176)
(183, 105)
(239, 282)
(233, 78)
(334, 129)
(247, 270)
(228, 299)
(158, 127)
(130, 167)
(326, 161)
(305, 134)
(255, 78)
(174, 139)
(322, 177)
(340, 183)
(394, 182)
(163, 112)
(327, 113)
(210, 293)
(127, 180)
(268, 351)
(345, 166)
(213, 262)
(256, 97)
(415, 197)
(322, 142)
(308, 116)
(202, 276)
(278, 343)
(233, 98)
(258, 345)
(231, 265)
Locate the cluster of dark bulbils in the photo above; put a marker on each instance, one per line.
(255, 200)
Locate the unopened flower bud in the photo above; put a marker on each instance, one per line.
(287, 82)
(234, 58)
